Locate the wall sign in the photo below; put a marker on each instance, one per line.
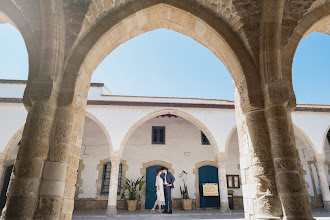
(210, 189)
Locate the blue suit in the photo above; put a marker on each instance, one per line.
(167, 191)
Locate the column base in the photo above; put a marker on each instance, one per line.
(225, 210)
(111, 211)
(326, 205)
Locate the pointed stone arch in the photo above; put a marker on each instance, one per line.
(10, 13)
(179, 16)
(315, 20)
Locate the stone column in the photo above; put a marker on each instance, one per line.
(23, 191)
(323, 181)
(260, 195)
(113, 187)
(289, 178)
(224, 204)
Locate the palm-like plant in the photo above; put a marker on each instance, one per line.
(132, 189)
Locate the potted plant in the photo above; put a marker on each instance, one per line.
(132, 192)
(186, 201)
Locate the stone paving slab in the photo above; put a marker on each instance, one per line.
(319, 214)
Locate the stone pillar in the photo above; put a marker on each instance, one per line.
(323, 181)
(113, 187)
(289, 178)
(60, 172)
(23, 191)
(224, 204)
(260, 195)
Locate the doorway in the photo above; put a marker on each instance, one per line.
(151, 186)
(208, 174)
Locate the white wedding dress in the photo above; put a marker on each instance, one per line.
(160, 193)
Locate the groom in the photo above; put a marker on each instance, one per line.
(168, 185)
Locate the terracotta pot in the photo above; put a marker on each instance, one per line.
(131, 204)
(187, 204)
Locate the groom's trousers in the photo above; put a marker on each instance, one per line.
(168, 198)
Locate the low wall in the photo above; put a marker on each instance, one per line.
(96, 204)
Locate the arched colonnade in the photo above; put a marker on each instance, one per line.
(63, 55)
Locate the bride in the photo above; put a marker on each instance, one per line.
(160, 192)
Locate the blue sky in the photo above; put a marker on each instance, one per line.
(166, 63)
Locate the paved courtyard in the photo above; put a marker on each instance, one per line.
(318, 214)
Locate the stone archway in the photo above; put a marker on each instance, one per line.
(148, 15)
(143, 172)
(316, 20)
(177, 112)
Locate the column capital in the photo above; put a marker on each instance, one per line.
(115, 157)
(221, 157)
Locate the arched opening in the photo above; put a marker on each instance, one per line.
(168, 113)
(208, 174)
(307, 158)
(312, 57)
(305, 51)
(164, 63)
(197, 24)
(150, 186)
(218, 38)
(171, 137)
(148, 171)
(13, 56)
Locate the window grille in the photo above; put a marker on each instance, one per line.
(205, 141)
(106, 178)
(158, 135)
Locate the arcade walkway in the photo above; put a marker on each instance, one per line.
(318, 214)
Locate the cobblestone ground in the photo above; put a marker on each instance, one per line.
(318, 214)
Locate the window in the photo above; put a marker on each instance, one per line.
(233, 181)
(158, 135)
(106, 178)
(328, 137)
(205, 141)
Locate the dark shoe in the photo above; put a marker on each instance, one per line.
(170, 212)
(165, 211)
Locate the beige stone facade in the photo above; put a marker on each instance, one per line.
(67, 40)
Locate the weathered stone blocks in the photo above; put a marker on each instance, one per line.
(28, 168)
(48, 207)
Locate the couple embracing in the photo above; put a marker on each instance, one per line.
(164, 187)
